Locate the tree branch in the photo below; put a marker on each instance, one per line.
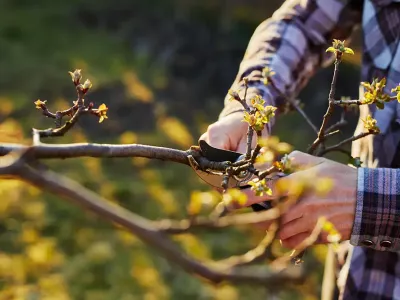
(188, 225)
(295, 105)
(297, 254)
(47, 151)
(336, 126)
(329, 111)
(347, 102)
(250, 132)
(344, 142)
(142, 228)
(258, 253)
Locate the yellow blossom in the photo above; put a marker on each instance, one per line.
(267, 73)
(39, 103)
(102, 111)
(333, 235)
(371, 125)
(260, 187)
(284, 165)
(375, 93)
(249, 118)
(338, 47)
(235, 196)
(257, 102)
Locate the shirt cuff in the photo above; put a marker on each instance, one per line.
(377, 215)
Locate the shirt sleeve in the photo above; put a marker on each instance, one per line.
(292, 43)
(377, 218)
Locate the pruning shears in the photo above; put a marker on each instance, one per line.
(214, 179)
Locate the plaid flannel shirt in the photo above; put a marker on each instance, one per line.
(292, 42)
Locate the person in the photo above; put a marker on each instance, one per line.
(364, 204)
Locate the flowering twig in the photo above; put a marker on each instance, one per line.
(79, 108)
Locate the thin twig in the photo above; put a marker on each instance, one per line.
(347, 102)
(336, 126)
(254, 255)
(250, 132)
(329, 134)
(60, 131)
(184, 226)
(269, 171)
(294, 104)
(282, 261)
(256, 149)
(329, 111)
(344, 142)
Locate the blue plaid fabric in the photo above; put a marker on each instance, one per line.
(292, 42)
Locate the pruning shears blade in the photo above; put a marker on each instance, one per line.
(215, 179)
(219, 155)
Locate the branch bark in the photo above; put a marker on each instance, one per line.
(321, 132)
(47, 151)
(143, 228)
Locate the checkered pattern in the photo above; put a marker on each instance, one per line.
(378, 208)
(293, 42)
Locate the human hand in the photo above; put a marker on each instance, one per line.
(337, 205)
(229, 133)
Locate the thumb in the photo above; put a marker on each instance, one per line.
(221, 141)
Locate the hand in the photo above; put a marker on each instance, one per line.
(229, 133)
(337, 205)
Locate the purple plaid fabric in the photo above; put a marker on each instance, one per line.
(292, 42)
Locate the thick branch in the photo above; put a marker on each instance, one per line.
(45, 151)
(143, 228)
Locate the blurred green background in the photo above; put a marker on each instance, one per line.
(163, 68)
